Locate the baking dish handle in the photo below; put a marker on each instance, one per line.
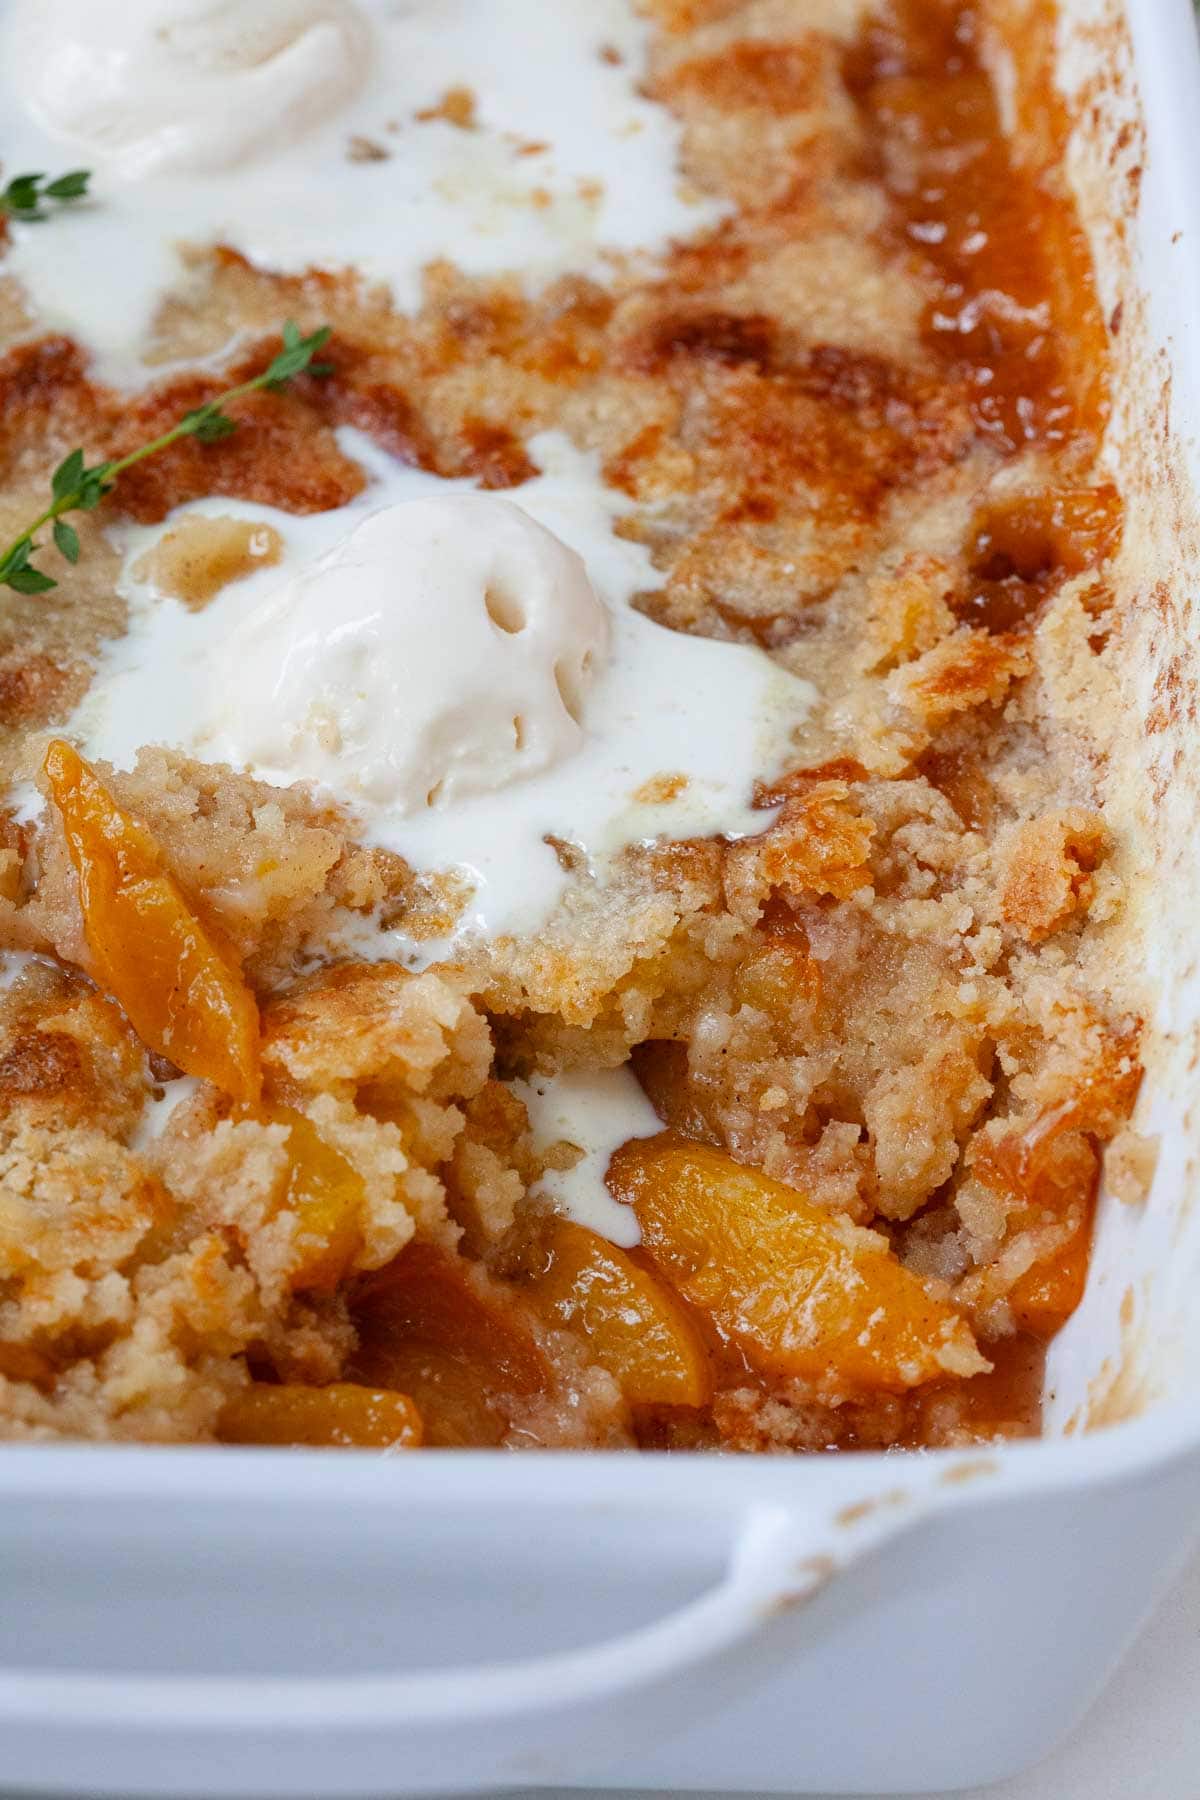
(539, 1719)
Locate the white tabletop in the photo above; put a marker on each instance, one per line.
(1142, 1739)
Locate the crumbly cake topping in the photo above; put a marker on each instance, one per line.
(855, 421)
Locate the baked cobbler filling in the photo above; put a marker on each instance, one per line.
(558, 580)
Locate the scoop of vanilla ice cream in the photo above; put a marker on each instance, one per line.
(444, 649)
(187, 86)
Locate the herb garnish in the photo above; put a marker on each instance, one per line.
(76, 488)
(25, 196)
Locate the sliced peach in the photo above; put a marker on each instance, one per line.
(326, 1193)
(464, 1356)
(631, 1321)
(1044, 1298)
(781, 976)
(1051, 1172)
(801, 1291)
(183, 995)
(342, 1415)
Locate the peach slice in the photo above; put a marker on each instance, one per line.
(182, 994)
(631, 1321)
(425, 1327)
(327, 1194)
(342, 1415)
(1051, 1171)
(798, 1289)
(325, 1191)
(1044, 1298)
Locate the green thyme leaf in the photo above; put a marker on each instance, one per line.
(21, 194)
(208, 423)
(93, 485)
(24, 196)
(29, 581)
(16, 556)
(296, 355)
(66, 478)
(71, 186)
(67, 539)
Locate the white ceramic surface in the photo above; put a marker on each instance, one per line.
(259, 1623)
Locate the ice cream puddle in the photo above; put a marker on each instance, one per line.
(464, 672)
(593, 1112)
(374, 135)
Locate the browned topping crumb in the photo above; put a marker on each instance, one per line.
(456, 107)
(366, 150)
(1129, 1164)
(660, 789)
(1049, 872)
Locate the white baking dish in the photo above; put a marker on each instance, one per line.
(258, 1623)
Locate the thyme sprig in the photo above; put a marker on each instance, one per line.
(25, 196)
(74, 487)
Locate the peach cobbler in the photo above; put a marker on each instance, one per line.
(555, 879)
